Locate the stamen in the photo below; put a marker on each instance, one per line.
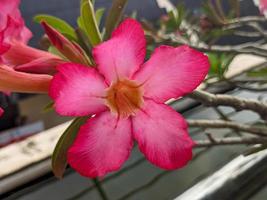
(124, 97)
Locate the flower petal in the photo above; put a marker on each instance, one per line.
(172, 72)
(103, 144)
(27, 59)
(77, 90)
(11, 80)
(163, 138)
(1, 112)
(123, 54)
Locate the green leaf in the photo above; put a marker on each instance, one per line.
(99, 14)
(59, 157)
(59, 24)
(48, 107)
(88, 22)
(258, 73)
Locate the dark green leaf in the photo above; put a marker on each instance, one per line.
(59, 157)
(114, 16)
(59, 24)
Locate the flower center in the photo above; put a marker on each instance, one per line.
(124, 97)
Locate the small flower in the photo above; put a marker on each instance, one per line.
(262, 4)
(14, 36)
(126, 101)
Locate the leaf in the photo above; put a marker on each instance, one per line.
(89, 23)
(59, 157)
(114, 16)
(57, 23)
(48, 107)
(99, 14)
(258, 73)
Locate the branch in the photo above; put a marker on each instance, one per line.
(247, 19)
(230, 141)
(226, 100)
(261, 131)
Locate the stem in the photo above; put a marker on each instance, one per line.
(257, 130)
(226, 100)
(230, 141)
(100, 189)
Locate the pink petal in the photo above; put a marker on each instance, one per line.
(162, 136)
(172, 72)
(103, 144)
(28, 59)
(262, 4)
(11, 80)
(8, 7)
(1, 112)
(122, 55)
(43, 65)
(16, 30)
(70, 50)
(77, 90)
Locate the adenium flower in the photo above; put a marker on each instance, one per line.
(14, 36)
(15, 54)
(125, 99)
(262, 4)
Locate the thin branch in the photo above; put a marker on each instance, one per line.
(226, 100)
(257, 130)
(247, 19)
(230, 141)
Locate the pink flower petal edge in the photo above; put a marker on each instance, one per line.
(123, 54)
(1, 112)
(78, 90)
(163, 138)
(172, 72)
(103, 144)
(262, 4)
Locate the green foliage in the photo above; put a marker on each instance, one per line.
(59, 157)
(59, 24)
(88, 22)
(219, 63)
(99, 14)
(114, 16)
(175, 18)
(262, 72)
(48, 107)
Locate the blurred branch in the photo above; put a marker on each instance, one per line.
(247, 19)
(261, 131)
(226, 100)
(230, 141)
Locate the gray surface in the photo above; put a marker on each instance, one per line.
(169, 186)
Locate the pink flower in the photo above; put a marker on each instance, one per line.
(126, 101)
(10, 14)
(14, 36)
(262, 4)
